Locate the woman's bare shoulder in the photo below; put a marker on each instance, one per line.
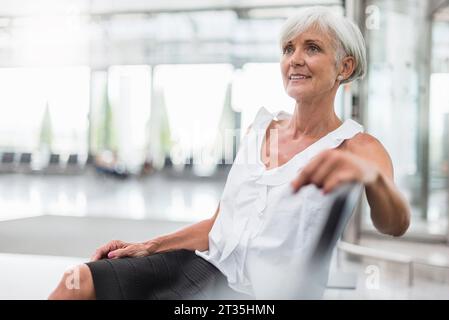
(362, 139)
(366, 146)
(370, 148)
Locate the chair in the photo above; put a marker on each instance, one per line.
(25, 158)
(314, 277)
(73, 165)
(54, 164)
(72, 160)
(24, 163)
(8, 162)
(54, 159)
(310, 281)
(8, 157)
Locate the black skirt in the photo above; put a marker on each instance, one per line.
(174, 275)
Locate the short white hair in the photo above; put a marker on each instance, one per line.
(348, 37)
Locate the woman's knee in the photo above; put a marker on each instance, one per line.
(76, 283)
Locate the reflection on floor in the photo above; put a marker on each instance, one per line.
(75, 236)
(159, 196)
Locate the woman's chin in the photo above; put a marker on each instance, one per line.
(298, 96)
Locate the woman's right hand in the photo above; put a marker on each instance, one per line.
(119, 249)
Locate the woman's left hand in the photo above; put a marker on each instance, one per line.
(331, 168)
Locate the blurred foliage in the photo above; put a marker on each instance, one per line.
(46, 133)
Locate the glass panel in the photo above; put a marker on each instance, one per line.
(99, 135)
(129, 91)
(19, 132)
(194, 96)
(57, 98)
(394, 99)
(68, 101)
(437, 215)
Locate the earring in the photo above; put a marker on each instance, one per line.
(340, 78)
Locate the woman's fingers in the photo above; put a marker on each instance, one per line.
(331, 168)
(99, 253)
(324, 171)
(306, 174)
(103, 251)
(334, 180)
(118, 249)
(96, 256)
(119, 253)
(134, 250)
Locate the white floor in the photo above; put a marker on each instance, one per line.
(31, 277)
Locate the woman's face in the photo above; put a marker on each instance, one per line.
(308, 66)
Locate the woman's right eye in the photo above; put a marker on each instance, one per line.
(288, 49)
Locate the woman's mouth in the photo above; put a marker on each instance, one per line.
(298, 77)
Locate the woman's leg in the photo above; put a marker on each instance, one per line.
(76, 284)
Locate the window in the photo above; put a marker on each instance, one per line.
(60, 95)
(194, 97)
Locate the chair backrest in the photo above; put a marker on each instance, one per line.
(54, 159)
(8, 157)
(73, 159)
(315, 274)
(25, 158)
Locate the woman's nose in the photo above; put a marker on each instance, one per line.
(297, 60)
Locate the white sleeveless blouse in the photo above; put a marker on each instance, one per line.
(261, 224)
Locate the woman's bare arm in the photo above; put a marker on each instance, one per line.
(193, 237)
(363, 159)
(390, 212)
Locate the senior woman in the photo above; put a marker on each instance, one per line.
(311, 151)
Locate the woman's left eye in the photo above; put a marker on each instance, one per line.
(313, 48)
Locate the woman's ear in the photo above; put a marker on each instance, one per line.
(347, 67)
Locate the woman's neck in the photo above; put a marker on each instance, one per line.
(313, 120)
